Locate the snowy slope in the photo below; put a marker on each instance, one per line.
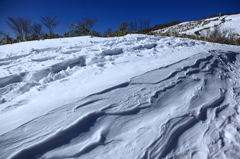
(231, 22)
(135, 96)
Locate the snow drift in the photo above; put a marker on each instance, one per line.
(135, 96)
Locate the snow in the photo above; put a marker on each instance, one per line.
(135, 96)
(229, 22)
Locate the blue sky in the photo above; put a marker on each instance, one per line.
(111, 13)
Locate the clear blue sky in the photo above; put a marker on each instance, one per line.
(111, 13)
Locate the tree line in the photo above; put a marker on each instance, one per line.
(25, 29)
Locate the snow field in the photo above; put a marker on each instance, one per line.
(135, 96)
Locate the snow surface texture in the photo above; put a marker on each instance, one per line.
(136, 96)
(230, 22)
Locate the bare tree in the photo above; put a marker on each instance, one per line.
(123, 29)
(144, 24)
(133, 26)
(15, 25)
(21, 26)
(36, 31)
(26, 24)
(125, 25)
(82, 27)
(109, 33)
(50, 22)
(89, 23)
(140, 26)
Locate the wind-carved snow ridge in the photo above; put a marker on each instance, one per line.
(184, 107)
(64, 137)
(31, 79)
(147, 46)
(56, 68)
(112, 52)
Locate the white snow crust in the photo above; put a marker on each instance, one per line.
(131, 97)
